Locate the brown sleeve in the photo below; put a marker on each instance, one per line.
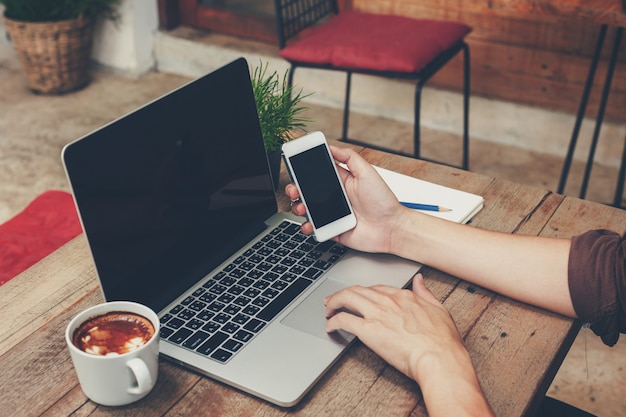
(597, 282)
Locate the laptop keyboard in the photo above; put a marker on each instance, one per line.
(232, 306)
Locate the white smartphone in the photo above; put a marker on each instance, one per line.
(313, 170)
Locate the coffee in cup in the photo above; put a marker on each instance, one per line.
(113, 333)
(115, 350)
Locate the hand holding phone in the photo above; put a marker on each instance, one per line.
(313, 171)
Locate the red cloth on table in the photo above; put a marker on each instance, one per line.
(46, 224)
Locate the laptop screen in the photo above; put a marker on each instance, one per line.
(170, 191)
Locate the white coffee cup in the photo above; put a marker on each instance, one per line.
(116, 379)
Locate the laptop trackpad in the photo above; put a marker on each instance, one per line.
(309, 316)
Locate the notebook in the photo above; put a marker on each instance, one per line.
(179, 211)
(462, 205)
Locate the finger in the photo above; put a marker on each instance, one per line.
(298, 209)
(345, 321)
(393, 298)
(353, 160)
(356, 299)
(386, 289)
(292, 192)
(419, 288)
(376, 294)
(340, 154)
(344, 174)
(306, 228)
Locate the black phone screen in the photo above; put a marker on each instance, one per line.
(320, 186)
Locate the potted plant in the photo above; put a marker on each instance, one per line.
(280, 112)
(53, 40)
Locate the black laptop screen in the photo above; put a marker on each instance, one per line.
(169, 191)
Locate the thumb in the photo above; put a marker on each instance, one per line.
(419, 289)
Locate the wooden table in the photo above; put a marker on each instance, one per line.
(516, 348)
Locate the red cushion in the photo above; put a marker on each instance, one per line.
(375, 42)
(47, 223)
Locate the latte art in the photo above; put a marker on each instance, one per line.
(113, 333)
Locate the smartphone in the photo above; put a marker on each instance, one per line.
(313, 170)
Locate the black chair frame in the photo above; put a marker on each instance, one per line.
(619, 191)
(292, 27)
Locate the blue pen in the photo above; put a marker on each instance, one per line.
(426, 207)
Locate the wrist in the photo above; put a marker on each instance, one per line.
(404, 234)
(449, 384)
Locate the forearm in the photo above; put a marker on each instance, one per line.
(528, 268)
(451, 388)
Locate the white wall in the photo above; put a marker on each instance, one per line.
(128, 45)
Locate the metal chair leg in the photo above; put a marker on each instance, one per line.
(581, 110)
(418, 98)
(602, 107)
(466, 89)
(290, 76)
(619, 190)
(346, 107)
(466, 92)
(416, 119)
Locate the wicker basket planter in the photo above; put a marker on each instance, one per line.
(54, 55)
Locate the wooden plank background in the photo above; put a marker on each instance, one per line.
(527, 51)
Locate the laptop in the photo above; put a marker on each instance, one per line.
(177, 204)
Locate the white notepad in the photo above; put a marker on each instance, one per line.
(463, 205)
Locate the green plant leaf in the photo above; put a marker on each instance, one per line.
(278, 106)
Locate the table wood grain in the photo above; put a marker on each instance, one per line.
(516, 348)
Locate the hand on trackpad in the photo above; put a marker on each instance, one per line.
(309, 315)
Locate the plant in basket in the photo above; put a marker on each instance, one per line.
(280, 112)
(53, 39)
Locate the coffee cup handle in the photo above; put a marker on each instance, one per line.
(142, 375)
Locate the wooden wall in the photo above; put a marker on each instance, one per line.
(527, 51)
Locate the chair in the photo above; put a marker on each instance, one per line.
(619, 189)
(385, 45)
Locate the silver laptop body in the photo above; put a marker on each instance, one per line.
(173, 198)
